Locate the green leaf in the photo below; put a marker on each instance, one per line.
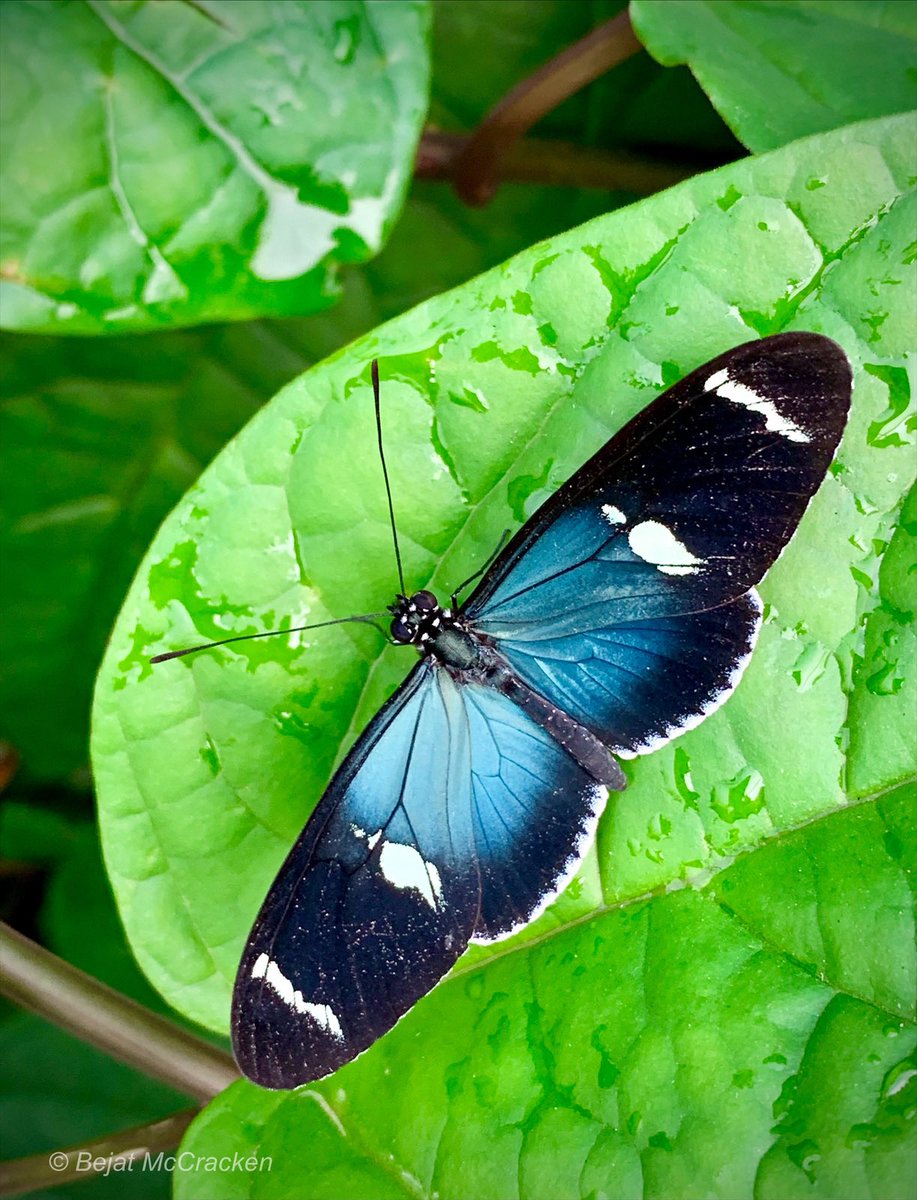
(207, 767)
(290, 524)
(788, 68)
(712, 1048)
(144, 187)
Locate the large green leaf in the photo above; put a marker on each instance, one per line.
(787, 68)
(173, 163)
(753, 1037)
(493, 394)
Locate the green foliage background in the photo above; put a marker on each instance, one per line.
(722, 1004)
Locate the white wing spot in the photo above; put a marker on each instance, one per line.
(613, 515)
(656, 544)
(715, 380)
(739, 393)
(322, 1014)
(404, 867)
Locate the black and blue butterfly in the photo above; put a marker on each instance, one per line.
(620, 615)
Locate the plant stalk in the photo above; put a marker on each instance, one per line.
(40, 981)
(102, 1156)
(478, 169)
(557, 164)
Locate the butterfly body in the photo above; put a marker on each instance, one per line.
(620, 615)
(449, 642)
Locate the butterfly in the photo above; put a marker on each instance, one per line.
(620, 615)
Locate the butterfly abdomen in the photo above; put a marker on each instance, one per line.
(579, 742)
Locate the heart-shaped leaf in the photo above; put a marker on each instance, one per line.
(493, 394)
(163, 164)
(788, 68)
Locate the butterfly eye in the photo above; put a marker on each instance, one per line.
(402, 631)
(424, 600)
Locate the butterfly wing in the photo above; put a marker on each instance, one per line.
(454, 817)
(374, 903)
(534, 812)
(627, 600)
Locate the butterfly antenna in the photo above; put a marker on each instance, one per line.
(374, 370)
(366, 619)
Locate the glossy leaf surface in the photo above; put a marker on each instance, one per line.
(144, 188)
(788, 68)
(752, 1037)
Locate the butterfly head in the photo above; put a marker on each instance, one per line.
(414, 616)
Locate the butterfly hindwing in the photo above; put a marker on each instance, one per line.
(638, 683)
(535, 810)
(627, 600)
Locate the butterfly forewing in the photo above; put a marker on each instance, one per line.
(373, 905)
(694, 498)
(455, 816)
(626, 599)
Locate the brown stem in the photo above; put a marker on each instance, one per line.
(38, 980)
(556, 163)
(102, 1156)
(478, 169)
(9, 764)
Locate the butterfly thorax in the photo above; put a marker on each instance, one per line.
(421, 621)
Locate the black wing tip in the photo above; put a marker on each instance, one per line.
(805, 372)
(800, 347)
(278, 1064)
